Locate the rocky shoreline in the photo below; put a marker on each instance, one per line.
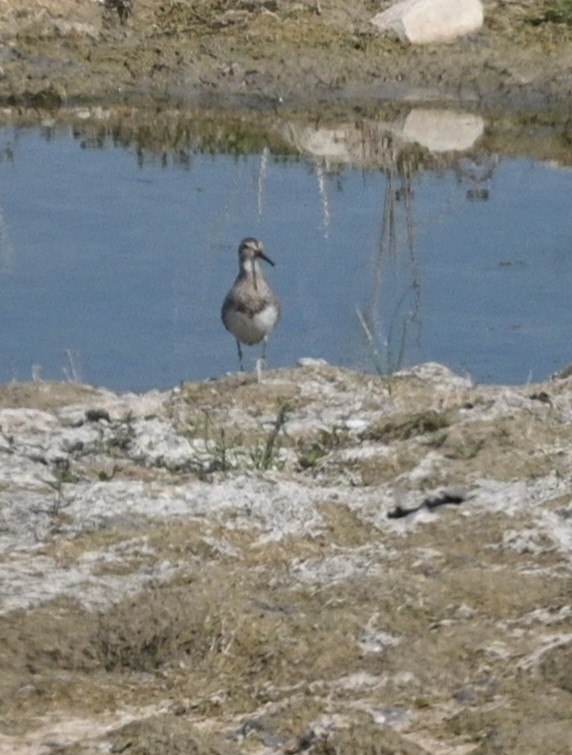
(332, 562)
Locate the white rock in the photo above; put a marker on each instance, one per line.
(436, 373)
(156, 443)
(426, 21)
(75, 28)
(310, 362)
(32, 421)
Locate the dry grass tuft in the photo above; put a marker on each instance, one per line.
(149, 630)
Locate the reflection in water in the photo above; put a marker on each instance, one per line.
(114, 261)
(442, 130)
(264, 156)
(324, 197)
(477, 174)
(390, 326)
(6, 246)
(389, 322)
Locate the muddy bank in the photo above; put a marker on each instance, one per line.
(274, 54)
(241, 77)
(324, 562)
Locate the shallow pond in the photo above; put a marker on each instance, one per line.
(114, 264)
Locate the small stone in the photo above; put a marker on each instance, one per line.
(310, 362)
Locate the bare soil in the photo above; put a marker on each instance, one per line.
(275, 53)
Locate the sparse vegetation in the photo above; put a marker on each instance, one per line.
(553, 11)
(215, 455)
(310, 453)
(266, 455)
(405, 427)
(264, 618)
(147, 631)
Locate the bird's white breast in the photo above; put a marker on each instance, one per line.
(251, 329)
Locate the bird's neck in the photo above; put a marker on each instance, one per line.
(251, 269)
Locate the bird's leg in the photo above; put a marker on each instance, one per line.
(239, 355)
(261, 363)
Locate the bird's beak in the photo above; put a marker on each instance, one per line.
(264, 257)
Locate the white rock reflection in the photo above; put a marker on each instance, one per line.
(369, 143)
(366, 144)
(442, 130)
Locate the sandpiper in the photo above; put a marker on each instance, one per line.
(251, 308)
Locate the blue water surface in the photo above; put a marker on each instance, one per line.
(113, 271)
